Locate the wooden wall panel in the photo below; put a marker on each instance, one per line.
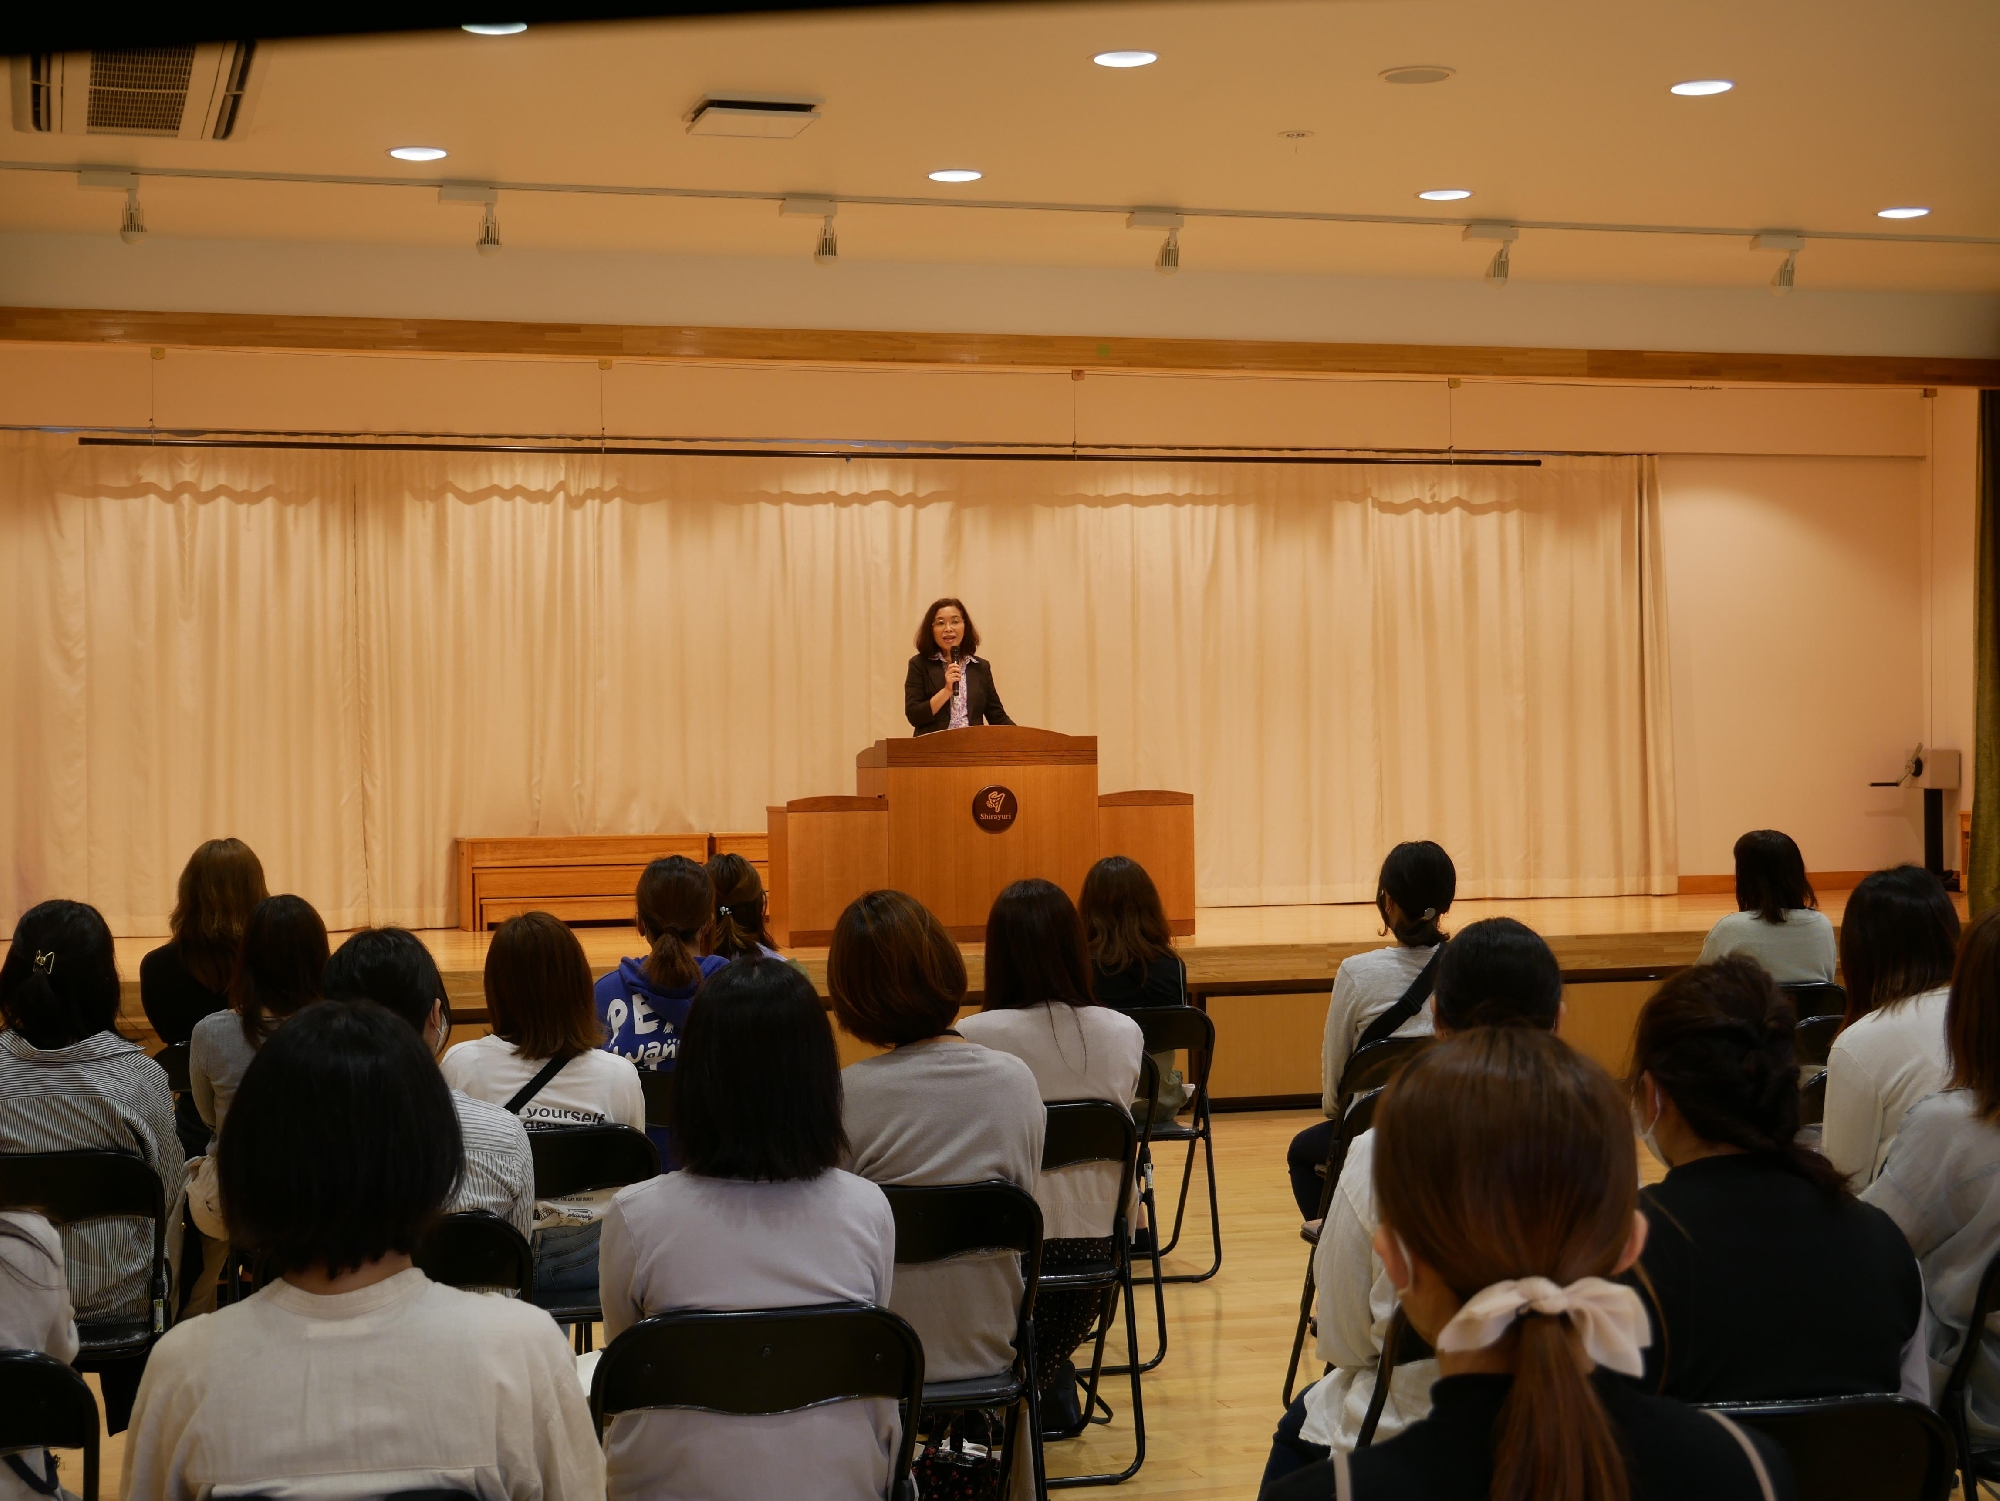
(824, 851)
(76, 385)
(1266, 1045)
(1193, 411)
(1738, 420)
(1157, 830)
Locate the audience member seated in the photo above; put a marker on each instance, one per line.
(70, 1083)
(1941, 1183)
(1777, 922)
(392, 967)
(1382, 993)
(1039, 1007)
(281, 968)
(1132, 957)
(544, 1063)
(353, 1375)
(935, 1109)
(1496, 973)
(759, 1216)
(187, 977)
(1767, 1279)
(35, 1314)
(1506, 1190)
(645, 1001)
(1898, 938)
(740, 927)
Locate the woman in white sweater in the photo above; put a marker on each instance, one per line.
(1040, 1007)
(1777, 922)
(759, 1216)
(35, 1314)
(1898, 939)
(354, 1375)
(544, 1062)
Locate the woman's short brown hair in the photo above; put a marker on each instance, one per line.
(221, 883)
(927, 628)
(893, 972)
(538, 989)
(1972, 1019)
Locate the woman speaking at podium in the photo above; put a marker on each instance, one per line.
(949, 687)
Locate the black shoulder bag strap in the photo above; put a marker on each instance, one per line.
(535, 1085)
(1412, 1002)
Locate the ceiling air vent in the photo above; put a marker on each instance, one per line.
(189, 93)
(771, 118)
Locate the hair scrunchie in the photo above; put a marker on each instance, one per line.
(1609, 1316)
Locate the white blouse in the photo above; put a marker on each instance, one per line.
(1878, 1069)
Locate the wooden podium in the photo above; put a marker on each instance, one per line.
(953, 818)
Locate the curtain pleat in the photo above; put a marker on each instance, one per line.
(350, 658)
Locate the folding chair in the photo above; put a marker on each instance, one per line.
(934, 1224)
(658, 1088)
(479, 1252)
(766, 1361)
(577, 1159)
(1359, 1117)
(1081, 1131)
(1375, 1065)
(1974, 1464)
(1867, 1448)
(174, 1060)
(69, 1187)
(1812, 1040)
(1173, 1029)
(1400, 1346)
(1816, 998)
(188, 1124)
(44, 1404)
(1812, 1098)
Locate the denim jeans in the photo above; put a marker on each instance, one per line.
(566, 1264)
(1289, 1452)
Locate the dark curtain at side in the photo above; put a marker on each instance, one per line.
(1983, 880)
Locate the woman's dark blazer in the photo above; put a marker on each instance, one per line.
(982, 703)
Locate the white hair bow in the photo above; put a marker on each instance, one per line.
(1608, 1315)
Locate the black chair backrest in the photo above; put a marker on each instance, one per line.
(1373, 1066)
(65, 1187)
(1359, 1117)
(961, 1218)
(658, 1088)
(1174, 1029)
(765, 1361)
(1812, 1098)
(1983, 1304)
(1870, 1448)
(577, 1159)
(1816, 999)
(1092, 1131)
(477, 1251)
(1812, 1040)
(45, 1404)
(174, 1059)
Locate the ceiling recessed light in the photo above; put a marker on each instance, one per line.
(956, 174)
(1700, 88)
(495, 28)
(1125, 59)
(1445, 195)
(417, 153)
(1417, 73)
(1901, 213)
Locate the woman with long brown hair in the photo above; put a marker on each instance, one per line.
(187, 977)
(1506, 1181)
(741, 926)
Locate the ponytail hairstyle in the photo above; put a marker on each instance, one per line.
(1123, 918)
(1898, 938)
(1502, 1154)
(1420, 878)
(1972, 1021)
(222, 881)
(1771, 875)
(283, 965)
(676, 902)
(1717, 1040)
(739, 929)
(59, 982)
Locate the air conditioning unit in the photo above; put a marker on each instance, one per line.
(191, 93)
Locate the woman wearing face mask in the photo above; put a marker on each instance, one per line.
(1767, 1278)
(948, 686)
(1505, 1178)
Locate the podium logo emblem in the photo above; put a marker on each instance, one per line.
(994, 809)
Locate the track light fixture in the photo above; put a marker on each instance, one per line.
(133, 230)
(1785, 275)
(827, 250)
(1502, 262)
(1791, 241)
(489, 233)
(1498, 267)
(1168, 261)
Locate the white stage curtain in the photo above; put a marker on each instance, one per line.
(349, 658)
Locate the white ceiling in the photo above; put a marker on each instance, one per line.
(1559, 111)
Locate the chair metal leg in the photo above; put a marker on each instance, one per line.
(1204, 1140)
(1159, 1284)
(1098, 1369)
(1299, 1334)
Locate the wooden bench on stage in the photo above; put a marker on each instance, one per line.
(578, 877)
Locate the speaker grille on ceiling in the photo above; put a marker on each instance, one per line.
(195, 92)
(140, 91)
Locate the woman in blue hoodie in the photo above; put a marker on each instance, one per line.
(645, 1001)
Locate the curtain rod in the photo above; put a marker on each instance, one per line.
(625, 450)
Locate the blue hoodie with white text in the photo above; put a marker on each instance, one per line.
(643, 1023)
